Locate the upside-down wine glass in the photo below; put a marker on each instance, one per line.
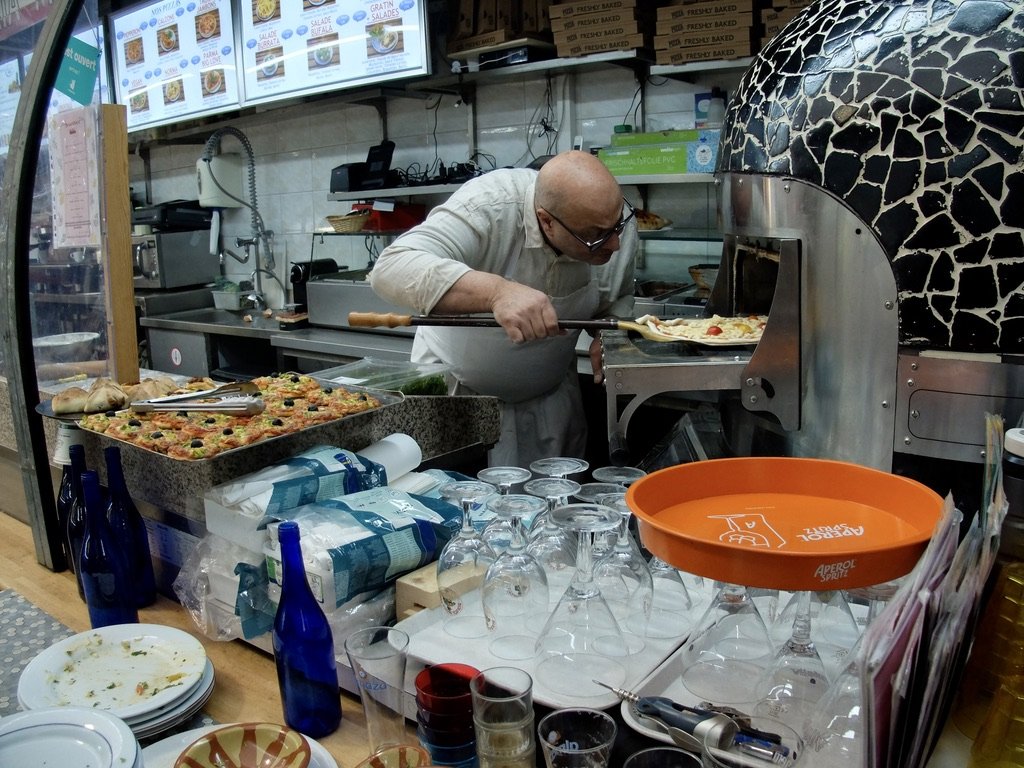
(515, 587)
(834, 630)
(728, 650)
(551, 544)
(558, 466)
(796, 679)
(498, 531)
(581, 641)
(624, 578)
(463, 562)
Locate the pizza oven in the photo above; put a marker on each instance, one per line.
(870, 186)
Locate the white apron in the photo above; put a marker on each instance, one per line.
(542, 411)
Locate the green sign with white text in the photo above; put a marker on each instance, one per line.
(78, 71)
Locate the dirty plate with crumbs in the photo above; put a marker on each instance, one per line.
(129, 670)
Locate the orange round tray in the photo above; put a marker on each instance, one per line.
(785, 523)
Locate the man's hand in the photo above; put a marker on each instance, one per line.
(525, 313)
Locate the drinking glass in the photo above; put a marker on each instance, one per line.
(558, 466)
(835, 733)
(581, 641)
(463, 562)
(504, 477)
(728, 650)
(589, 492)
(549, 543)
(796, 679)
(834, 629)
(671, 602)
(624, 578)
(577, 738)
(498, 532)
(515, 588)
(624, 476)
(503, 718)
(378, 659)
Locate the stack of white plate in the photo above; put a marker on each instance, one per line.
(70, 737)
(150, 676)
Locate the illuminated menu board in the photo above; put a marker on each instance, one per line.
(179, 59)
(292, 47)
(174, 60)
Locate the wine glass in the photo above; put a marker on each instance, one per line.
(834, 629)
(581, 641)
(624, 476)
(728, 650)
(463, 561)
(836, 731)
(624, 578)
(558, 466)
(515, 587)
(589, 492)
(796, 679)
(548, 542)
(671, 602)
(504, 477)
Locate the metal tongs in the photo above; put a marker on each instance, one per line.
(236, 397)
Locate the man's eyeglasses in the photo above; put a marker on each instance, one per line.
(595, 245)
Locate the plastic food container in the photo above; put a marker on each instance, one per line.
(392, 375)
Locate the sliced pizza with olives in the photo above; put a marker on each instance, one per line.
(292, 402)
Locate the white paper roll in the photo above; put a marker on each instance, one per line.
(397, 453)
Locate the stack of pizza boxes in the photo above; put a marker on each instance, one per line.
(479, 25)
(777, 15)
(703, 30)
(585, 27)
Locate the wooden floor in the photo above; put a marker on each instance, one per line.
(246, 681)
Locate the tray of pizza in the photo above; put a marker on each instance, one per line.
(276, 406)
(714, 331)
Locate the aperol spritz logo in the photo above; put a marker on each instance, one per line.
(827, 572)
(824, 532)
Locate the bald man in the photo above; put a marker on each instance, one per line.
(528, 247)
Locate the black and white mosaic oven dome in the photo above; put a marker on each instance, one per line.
(912, 113)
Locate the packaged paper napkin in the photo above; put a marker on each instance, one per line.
(235, 509)
(365, 540)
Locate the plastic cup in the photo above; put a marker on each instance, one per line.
(378, 657)
(503, 718)
(577, 738)
(662, 757)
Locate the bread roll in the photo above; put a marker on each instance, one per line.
(71, 400)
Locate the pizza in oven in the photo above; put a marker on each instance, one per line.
(647, 221)
(292, 402)
(709, 330)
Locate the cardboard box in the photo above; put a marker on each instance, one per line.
(704, 24)
(486, 14)
(480, 42)
(580, 7)
(610, 18)
(601, 45)
(462, 25)
(705, 9)
(728, 38)
(677, 56)
(660, 138)
(589, 34)
(697, 156)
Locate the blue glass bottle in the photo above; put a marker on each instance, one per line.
(74, 530)
(129, 531)
(103, 568)
(304, 647)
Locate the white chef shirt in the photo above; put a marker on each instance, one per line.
(489, 224)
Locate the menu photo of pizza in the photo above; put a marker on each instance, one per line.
(173, 91)
(208, 25)
(133, 52)
(138, 101)
(212, 81)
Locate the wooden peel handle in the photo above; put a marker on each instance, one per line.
(378, 319)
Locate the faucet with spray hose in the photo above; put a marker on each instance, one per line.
(259, 233)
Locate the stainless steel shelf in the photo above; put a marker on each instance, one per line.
(699, 67)
(413, 191)
(668, 178)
